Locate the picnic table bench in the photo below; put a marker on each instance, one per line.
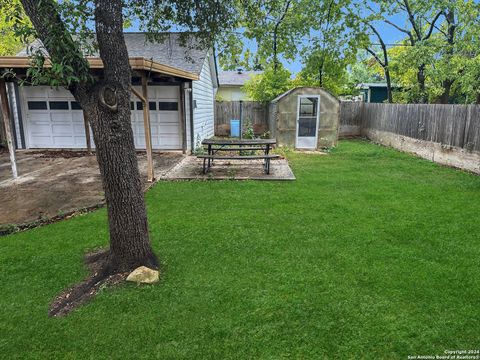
(214, 146)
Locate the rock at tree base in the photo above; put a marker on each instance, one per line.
(143, 275)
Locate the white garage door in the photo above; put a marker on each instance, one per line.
(54, 119)
(164, 118)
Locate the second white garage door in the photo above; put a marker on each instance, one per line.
(54, 120)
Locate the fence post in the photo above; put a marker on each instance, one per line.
(241, 119)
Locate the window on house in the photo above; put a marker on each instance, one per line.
(37, 105)
(139, 105)
(152, 105)
(168, 106)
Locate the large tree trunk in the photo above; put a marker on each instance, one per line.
(421, 84)
(108, 106)
(389, 84)
(445, 97)
(447, 84)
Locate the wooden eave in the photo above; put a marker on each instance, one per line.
(136, 63)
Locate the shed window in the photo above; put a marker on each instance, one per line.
(168, 106)
(58, 105)
(307, 127)
(75, 105)
(37, 105)
(308, 106)
(139, 105)
(152, 105)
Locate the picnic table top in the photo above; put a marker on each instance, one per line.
(239, 141)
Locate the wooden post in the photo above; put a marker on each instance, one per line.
(183, 118)
(87, 131)
(241, 119)
(148, 132)
(6, 123)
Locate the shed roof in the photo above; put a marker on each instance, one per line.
(171, 55)
(235, 78)
(300, 87)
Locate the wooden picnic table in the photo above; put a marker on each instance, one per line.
(217, 145)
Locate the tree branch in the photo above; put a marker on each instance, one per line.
(401, 30)
(432, 26)
(411, 18)
(374, 54)
(58, 42)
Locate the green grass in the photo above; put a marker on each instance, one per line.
(370, 254)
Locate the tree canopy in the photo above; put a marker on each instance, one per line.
(435, 60)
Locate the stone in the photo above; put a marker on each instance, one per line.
(143, 275)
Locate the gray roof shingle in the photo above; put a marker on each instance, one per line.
(233, 78)
(188, 57)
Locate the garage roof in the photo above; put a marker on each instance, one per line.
(170, 57)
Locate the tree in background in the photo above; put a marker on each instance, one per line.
(107, 100)
(268, 85)
(12, 18)
(275, 28)
(332, 46)
(447, 59)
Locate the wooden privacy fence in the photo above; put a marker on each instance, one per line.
(254, 112)
(351, 118)
(449, 125)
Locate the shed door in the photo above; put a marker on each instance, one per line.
(308, 110)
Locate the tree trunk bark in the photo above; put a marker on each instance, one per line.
(421, 84)
(129, 240)
(389, 85)
(108, 106)
(447, 84)
(445, 97)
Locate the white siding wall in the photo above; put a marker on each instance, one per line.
(204, 97)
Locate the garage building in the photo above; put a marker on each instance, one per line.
(182, 83)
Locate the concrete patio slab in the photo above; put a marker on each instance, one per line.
(55, 182)
(190, 168)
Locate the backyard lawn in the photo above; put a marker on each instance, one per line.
(370, 253)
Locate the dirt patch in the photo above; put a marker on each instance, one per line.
(81, 293)
(55, 154)
(11, 228)
(191, 169)
(56, 187)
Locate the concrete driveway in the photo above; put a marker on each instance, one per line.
(55, 182)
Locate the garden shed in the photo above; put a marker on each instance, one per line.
(305, 118)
